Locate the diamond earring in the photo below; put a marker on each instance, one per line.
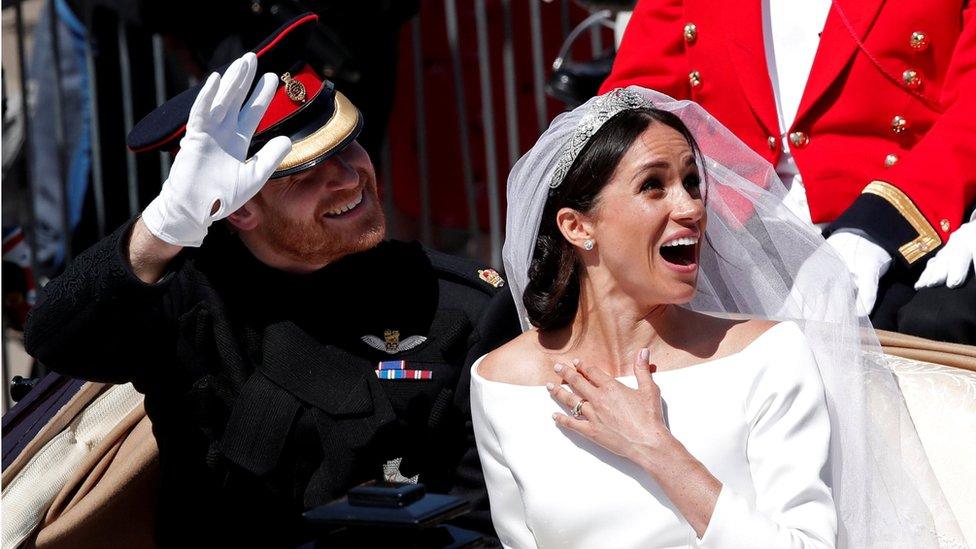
(588, 244)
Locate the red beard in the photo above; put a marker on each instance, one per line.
(317, 241)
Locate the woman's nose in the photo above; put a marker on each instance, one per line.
(688, 207)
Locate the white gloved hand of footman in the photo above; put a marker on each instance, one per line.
(867, 263)
(951, 265)
(211, 176)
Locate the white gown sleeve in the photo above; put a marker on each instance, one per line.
(507, 509)
(789, 458)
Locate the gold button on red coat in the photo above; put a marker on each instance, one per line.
(691, 33)
(772, 141)
(911, 79)
(891, 160)
(799, 139)
(899, 124)
(919, 41)
(944, 224)
(694, 78)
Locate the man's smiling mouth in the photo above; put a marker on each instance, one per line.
(344, 209)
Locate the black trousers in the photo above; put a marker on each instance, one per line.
(940, 313)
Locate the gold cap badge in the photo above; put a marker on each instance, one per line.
(295, 89)
(492, 277)
(392, 340)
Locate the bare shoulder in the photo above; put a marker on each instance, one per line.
(730, 336)
(742, 333)
(519, 362)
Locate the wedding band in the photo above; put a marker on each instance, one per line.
(578, 409)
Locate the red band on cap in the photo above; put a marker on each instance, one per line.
(282, 106)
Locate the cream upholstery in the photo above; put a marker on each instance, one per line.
(942, 403)
(75, 449)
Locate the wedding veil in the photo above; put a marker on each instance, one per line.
(762, 261)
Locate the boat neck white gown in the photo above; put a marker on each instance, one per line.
(757, 419)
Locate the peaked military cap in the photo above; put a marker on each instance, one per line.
(306, 107)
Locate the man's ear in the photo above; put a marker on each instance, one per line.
(246, 218)
(574, 226)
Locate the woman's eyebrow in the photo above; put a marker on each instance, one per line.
(661, 164)
(651, 164)
(645, 167)
(689, 160)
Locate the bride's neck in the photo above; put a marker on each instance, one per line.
(613, 328)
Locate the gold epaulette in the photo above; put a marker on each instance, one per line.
(927, 239)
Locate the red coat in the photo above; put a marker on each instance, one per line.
(907, 184)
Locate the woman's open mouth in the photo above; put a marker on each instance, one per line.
(681, 253)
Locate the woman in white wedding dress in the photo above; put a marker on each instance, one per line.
(624, 416)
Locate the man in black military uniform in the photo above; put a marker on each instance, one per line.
(292, 353)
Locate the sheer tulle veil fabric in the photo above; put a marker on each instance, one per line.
(763, 261)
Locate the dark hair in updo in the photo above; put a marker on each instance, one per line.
(552, 294)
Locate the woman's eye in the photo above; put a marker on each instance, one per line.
(651, 184)
(692, 181)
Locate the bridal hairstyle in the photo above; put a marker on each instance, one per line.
(552, 294)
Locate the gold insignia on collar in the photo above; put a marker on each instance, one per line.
(492, 277)
(392, 339)
(295, 89)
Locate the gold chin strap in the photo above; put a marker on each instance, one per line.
(927, 239)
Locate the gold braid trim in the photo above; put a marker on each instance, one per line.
(927, 239)
(335, 131)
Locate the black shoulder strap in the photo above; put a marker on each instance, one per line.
(466, 271)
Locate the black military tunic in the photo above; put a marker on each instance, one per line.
(262, 385)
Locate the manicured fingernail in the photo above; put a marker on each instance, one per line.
(558, 367)
(549, 386)
(644, 353)
(653, 367)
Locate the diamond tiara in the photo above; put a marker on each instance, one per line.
(602, 109)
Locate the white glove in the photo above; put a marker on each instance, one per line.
(212, 166)
(867, 263)
(951, 265)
